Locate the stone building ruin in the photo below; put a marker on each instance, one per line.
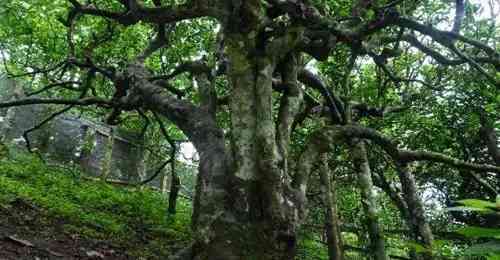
(99, 149)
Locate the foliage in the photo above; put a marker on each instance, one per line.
(491, 248)
(98, 210)
(443, 108)
(310, 248)
(4, 151)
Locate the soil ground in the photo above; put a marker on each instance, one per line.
(25, 233)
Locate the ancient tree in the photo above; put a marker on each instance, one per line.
(276, 91)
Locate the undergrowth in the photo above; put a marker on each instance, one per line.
(133, 218)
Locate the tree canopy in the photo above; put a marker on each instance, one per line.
(284, 100)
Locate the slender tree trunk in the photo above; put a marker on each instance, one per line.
(411, 209)
(489, 136)
(419, 226)
(395, 195)
(175, 186)
(334, 238)
(359, 157)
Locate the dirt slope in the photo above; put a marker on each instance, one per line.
(25, 233)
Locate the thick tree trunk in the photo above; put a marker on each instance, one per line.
(218, 228)
(334, 238)
(265, 211)
(260, 214)
(244, 207)
(359, 157)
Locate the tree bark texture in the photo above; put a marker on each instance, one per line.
(369, 200)
(250, 199)
(417, 221)
(334, 238)
(175, 186)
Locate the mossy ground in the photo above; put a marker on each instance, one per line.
(66, 216)
(133, 220)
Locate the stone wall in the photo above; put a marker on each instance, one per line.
(98, 148)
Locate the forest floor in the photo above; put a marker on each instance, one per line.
(52, 213)
(27, 234)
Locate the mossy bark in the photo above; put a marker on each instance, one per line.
(334, 238)
(420, 229)
(260, 220)
(368, 199)
(175, 187)
(244, 205)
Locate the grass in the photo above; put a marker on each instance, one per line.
(134, 218)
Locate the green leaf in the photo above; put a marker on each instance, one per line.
(476, 205)
(370, 14)
(490, 108)
(488, 248)
(480, 232)
(494, 257)
(419, 248)
(462, 208)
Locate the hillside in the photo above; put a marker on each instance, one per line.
(50, 212)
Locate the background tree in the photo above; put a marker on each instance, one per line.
(264, 89)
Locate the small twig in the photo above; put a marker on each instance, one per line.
(19, 241)
(157, 172)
